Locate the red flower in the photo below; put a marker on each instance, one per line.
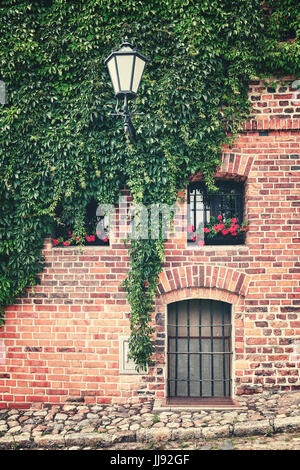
(193, 237)
(105, 239)
(206, 230)
(190, 228)
(201, 242)
(66, 243)
(234, 234)
(55, 241)
(233, 220)
(224, 231)
(219, 227)
(220, 217)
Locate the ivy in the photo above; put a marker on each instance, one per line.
(146, 261)
(59, 147)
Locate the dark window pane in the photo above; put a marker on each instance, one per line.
(199, 349)
(94, 225)
(227, 201)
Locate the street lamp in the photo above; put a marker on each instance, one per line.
(126, 67)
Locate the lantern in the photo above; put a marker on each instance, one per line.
(126, 67)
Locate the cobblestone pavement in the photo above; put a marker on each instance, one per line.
(78, 425)
(282, 441)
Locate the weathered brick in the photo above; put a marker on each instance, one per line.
(62, 338)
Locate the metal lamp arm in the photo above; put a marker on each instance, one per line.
(126, 114)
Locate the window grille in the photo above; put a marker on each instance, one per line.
(92, 224)
(199, 349)
(227, 201)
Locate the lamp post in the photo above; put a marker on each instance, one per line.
(126, 67)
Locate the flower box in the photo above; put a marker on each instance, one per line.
(219, 232)
(220, 239)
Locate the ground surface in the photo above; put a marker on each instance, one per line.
(284, 441)
(269, 421)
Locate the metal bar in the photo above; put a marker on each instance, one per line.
(176, 345)
(195, 209)
(200, 209)
(204, 211)
(169, 370)
(203, 337)
(230, 347)
(198, 352)
(206, 206)
(200, 345)
(204, 326)
(189, 194)
(188, 345)
(188, 205)
(196, 380)
(211, 347)
(224, 355)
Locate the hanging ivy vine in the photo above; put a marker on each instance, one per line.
(59, 146)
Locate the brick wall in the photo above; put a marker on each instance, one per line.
(61, 340)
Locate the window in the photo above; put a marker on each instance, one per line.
(95, 228)
(199, 350)
(228, 202)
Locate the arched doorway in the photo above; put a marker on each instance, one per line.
(199, 349)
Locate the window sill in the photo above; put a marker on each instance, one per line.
(81, 247)
(217, 247)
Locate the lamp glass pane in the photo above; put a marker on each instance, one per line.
(113, 74)
(138, 72)
(125, 70)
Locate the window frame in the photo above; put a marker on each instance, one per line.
(209, 204)
(91, 218)
(226, 398)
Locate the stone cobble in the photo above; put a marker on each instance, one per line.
(283, 441)
(83, 425)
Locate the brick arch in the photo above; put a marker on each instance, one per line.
(199, 293)
(217, 282)
(233, 165)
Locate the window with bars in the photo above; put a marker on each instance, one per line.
(95, 227)
(199, 349)
(228, 201)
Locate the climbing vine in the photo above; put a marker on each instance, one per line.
(60, 147)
